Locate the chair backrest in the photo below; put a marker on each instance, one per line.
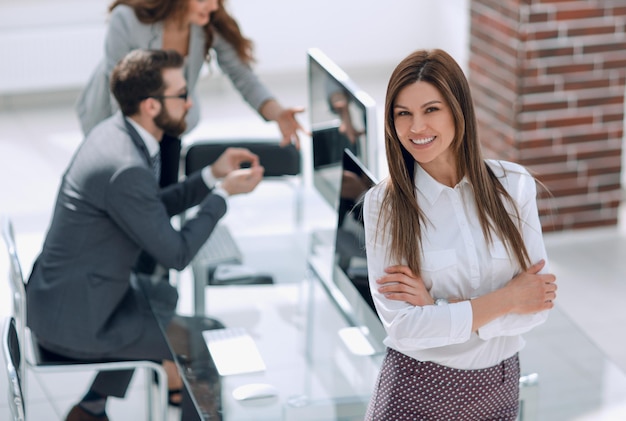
(12, 355)
(277, 160)
(16, 283)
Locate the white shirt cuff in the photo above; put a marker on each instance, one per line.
(208, 177)
(220, 191)
(461, 320)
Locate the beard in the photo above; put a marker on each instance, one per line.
(170, 126)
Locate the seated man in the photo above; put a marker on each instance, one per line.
(109, 207)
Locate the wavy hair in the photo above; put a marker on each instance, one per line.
(402, 216)
(152, 11)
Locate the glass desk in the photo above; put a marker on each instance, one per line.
(295, 327)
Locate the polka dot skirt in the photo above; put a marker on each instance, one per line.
(411, 390)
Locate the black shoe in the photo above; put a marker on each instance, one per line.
(79, 414)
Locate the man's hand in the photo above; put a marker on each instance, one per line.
(243, 180)
(232, 159)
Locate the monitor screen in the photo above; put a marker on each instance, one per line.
(349, 274)
(342, 116)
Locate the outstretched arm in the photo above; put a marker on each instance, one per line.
(286, 119)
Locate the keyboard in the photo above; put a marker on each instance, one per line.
(233, 351)
(219, 249)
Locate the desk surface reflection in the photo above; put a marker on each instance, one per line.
(317, 377)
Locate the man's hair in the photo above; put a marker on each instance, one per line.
(139, 75)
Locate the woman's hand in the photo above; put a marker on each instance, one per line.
(401, 284)
(527, 293)
(286, 119)
(532, 292)
(289, 126)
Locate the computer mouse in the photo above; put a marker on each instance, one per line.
(254, 391)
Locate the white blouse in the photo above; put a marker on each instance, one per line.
(457, 262)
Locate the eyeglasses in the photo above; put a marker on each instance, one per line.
(182, 96)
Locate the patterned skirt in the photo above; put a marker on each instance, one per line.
(411, 390)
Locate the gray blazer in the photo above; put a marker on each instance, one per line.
(108, 208)
(126, 33)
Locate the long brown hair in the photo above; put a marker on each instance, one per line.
(152, 11)
(401, 211)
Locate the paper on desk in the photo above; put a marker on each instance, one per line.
(234, 351)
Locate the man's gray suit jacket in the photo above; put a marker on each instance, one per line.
(108, 208)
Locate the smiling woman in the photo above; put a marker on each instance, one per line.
(456, 261)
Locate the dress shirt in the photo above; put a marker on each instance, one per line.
(457, 263)
(153, 149)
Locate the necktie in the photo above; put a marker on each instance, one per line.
(156, 165)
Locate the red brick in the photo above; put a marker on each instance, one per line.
(582, 13)
(585, 137)
(599, 152)
(536, 143)
(618, 11)
(603, 48)
(529, 107)
(613, 117)
(528, 87)
(610, 186)
(540, 159)
(568, 121)
(543, 35)
(591, 30)
(569, 68)
(586, 84)
(538, 17)
(614, 64)
(594, 223)
(601, 101)
(549, 52)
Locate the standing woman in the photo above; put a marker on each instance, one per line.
(456, 259)
(193, 28)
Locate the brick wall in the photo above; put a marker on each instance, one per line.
(548, 78)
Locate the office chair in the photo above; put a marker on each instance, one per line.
(12, 358)
(29, 351)
(280, 163)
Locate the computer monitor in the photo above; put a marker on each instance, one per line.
(349, 284)
(341, 116)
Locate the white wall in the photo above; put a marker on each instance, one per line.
(53, 45)
(351, 32)
(49, 45)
